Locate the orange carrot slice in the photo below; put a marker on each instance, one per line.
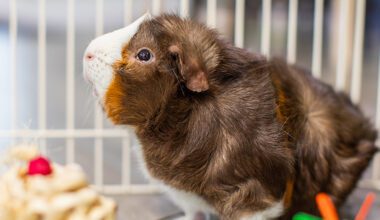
(326, 207)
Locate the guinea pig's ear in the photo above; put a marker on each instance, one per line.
(190, 69)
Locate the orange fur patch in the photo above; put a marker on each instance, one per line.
(113, 100)
(281, 101)
(288, 193)
(113, 104)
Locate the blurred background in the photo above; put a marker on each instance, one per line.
(44, 99)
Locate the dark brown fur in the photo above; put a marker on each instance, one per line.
(255, 127)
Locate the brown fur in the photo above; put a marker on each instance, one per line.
(240, 131)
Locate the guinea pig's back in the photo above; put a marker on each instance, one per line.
(333, 140)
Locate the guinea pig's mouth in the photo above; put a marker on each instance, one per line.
(98, 74)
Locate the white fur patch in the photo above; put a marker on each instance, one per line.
(106, 50)
(270, 213)
(189, 202)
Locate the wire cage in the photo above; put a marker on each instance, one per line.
(45, 102)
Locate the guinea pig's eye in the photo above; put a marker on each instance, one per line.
(144, 55)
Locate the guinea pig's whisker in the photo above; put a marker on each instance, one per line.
(89, 103)
(87, 115)
(180, 84)
(283, 124)
(282, 128)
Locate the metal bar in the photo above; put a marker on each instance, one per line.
(357, 60)
(211, 13)
(99, 17)
(184, 8)
(70, 87)
(13, 59)
(128, 8)
(64, 133)
(292, 32)
(317, 39)
(266, 27)
(98, 113)
(239, 23)
(156, 7)
(42, 70)
(341, 71)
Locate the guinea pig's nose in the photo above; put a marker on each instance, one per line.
(89, 56)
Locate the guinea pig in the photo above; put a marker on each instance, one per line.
(223, 130)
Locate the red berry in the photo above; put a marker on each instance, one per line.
(39, 166)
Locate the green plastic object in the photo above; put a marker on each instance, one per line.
(304, 216)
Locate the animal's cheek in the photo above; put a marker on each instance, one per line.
(119, 67)
(126, 66)
(114, 101)
(137, 73)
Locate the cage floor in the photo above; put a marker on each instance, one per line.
(159, 207)
(147, 207)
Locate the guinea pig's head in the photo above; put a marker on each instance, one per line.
(136, 70)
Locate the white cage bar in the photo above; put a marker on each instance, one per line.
(98, 133)
(128, 5)
(211, 13)
(184, 8)
(357, 60)
(316, 66)
(98, 162)
(64, 133)
(341, 70)
(266, 27)
(13, 57)
(156, 7)
(292, 32)
(239, 23)
(42, 71)
(70, 71)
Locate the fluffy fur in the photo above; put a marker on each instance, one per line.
(252, 138)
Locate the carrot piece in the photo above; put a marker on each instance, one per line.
(326, 207)
(366, 206)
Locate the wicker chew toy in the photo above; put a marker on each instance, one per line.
(328, 210)
(35, 188)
